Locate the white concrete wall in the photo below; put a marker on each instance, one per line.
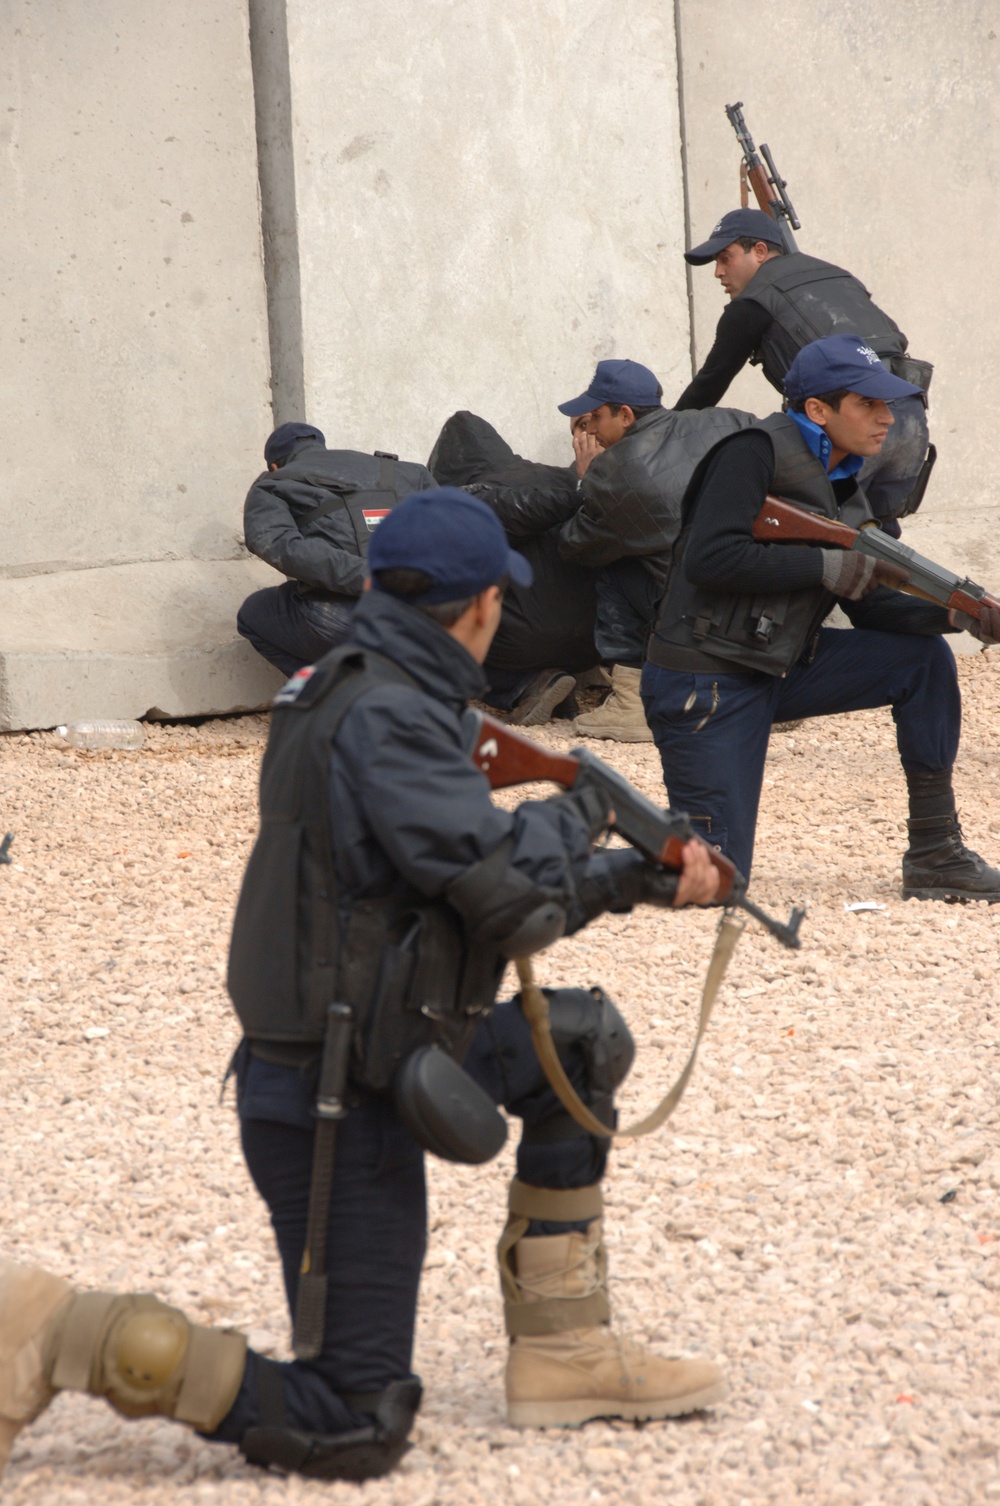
(490, 201)
(882, 115)
(134, 384)
(469, 204)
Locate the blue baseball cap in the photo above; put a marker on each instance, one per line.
(616, 382)
(284, 439)
(453, 538)
(733, 227)
(842, 361)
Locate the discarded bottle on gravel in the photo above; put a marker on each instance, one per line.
(102, 734)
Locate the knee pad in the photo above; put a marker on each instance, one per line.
(364, 1454)
(587, 1019)
(147, 1359)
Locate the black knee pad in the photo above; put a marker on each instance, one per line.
(364, 1454)
(587, 1019)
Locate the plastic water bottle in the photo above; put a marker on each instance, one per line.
(104, 734)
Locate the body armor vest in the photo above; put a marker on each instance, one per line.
(808, 299)
(401, 963)
(700, 630)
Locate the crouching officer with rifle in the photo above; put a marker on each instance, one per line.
(383, 898)
(739, 642)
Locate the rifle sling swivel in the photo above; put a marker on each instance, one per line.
(535, 1007)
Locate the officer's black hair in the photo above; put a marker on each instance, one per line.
(749, 241)
(406, 584)
(615, 408)
(832, 399)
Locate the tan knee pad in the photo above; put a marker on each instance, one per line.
(148, 1359)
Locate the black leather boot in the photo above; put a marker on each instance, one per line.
(365, 1454)
(937, 864)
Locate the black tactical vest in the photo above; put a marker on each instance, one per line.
(808, 299)
(402, 963)
(701, 631)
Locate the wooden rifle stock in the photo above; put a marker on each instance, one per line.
(769, 187)
(762, 191)
(780, 522)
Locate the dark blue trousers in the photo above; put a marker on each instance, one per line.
(627, 596)
(378, 1215)
(289, 629)
(712, 730)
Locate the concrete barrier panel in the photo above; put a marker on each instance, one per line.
(134, 384)
(489, 201)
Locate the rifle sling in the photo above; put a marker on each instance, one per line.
(535, 1007)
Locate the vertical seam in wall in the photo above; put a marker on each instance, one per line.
(685, 186)
(272, 92)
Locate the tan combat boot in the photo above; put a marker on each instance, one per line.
(621, 716)
(144, 1357)
(566, 1366)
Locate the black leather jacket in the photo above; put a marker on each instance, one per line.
(322, 555)
(630, 500)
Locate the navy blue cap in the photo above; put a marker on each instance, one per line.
(616, 382)
(842, 361)
(733, 227)
(281, 443)
(453, 538)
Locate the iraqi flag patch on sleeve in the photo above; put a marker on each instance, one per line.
(294, 687)
(374, 515)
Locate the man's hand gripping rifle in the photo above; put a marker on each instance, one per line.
(506, 758)
(767, 183)
(972, 607)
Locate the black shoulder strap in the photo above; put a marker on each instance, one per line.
(339, 499)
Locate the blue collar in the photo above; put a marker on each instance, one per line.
(816, 439)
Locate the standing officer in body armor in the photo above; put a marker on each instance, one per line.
(739, 644)
(781, 301)
(380, 905)
(311, 515)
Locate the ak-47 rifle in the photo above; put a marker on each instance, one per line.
(780, 522)
(507, 757)
(767, 183)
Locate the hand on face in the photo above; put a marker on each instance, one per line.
(585, 446)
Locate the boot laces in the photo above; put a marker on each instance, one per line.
(592, 1282)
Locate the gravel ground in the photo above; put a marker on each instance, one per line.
(821, 1213)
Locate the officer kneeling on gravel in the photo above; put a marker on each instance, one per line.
(382, 901)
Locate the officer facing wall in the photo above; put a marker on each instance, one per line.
(385, 880)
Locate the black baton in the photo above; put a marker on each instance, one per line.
(310, 1303)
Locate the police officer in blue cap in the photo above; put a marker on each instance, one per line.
(381, 903)
(781, 301)
(739, 642)
(628, 519)
(311, 516)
